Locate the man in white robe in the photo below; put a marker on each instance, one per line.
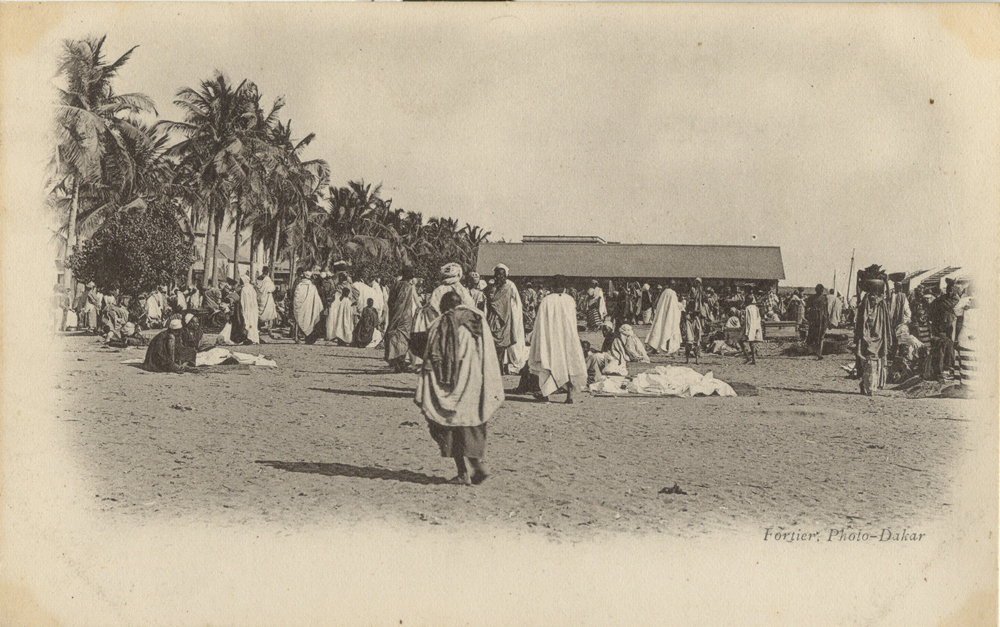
(556, 355)
(249, 309)
(307, 306)
(665, 332)
(265, 299)
(340, 319)
(451, 281)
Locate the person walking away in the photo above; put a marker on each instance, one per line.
(451, 281)
(460, 387)
(340, 319)
(267, 310)
(873, 337)
(403, 303)
(665, 334)
(307, 306)
(367, 327)
(752, 331)
(556, 355)
(817, 316)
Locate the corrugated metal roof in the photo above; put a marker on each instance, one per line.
(634, 260)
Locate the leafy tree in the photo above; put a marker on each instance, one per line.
(138, 248)
(97, 134)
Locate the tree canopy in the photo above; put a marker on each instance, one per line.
(229, 162)
(136, 249)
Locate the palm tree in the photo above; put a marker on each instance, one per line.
(94, 127)
(223, 150)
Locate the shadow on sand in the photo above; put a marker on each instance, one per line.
(380, 393)
(363, 472)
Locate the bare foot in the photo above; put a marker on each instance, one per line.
(460, 480)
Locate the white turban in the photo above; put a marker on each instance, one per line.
(175, 324)
(501, 266)
(188, 317)
(451, 272)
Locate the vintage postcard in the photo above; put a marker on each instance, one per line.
(499, 314)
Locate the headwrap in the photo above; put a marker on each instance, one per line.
(625, 330)
(452, 273)
(645, 286)
(188, 317)
(501, 266)
(175, 324)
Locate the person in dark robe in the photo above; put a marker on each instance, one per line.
(693, 320)
(818, 318)
(460, 386)
(873, 337)
(190, 340)
(162, 354)
(367, 323)
(943, 330)
(403, 304)
(530, 302)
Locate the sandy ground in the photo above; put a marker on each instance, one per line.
(332, 436)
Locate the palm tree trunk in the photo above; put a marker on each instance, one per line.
(217, 229)
(208, 273)
(74, 209)
(236, 241)
(274, 248)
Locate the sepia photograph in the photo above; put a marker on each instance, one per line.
(499, 314)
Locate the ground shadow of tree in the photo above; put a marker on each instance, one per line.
(334, 469)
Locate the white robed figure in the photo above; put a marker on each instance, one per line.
(307, 305)
(556, 356)
(265, 298)
(665, 333)
(340, 319)
(248, 305)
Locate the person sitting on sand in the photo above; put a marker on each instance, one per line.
(556, 356)
(595, 361)
(624, 348)
(162, 354)
(460, 386)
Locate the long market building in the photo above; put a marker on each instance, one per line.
(582, 259)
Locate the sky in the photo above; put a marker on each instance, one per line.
(819, 129)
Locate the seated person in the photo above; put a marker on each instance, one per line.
(129, 335)
(162, 354)
(625, 347)
(595, 361)
(190, 339)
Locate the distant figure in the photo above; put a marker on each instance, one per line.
(367, 327)
(213, 298)
(834, 309)
(693, 321)
(556, 356)
(817, 315)
(874, 337)
(505, 315)
(460, 386)
(597, 309)
(625, 347)
(244, 318)
(340, 319)
(162, 354)
(451, 281)
(752, 332)
(475, 291)
(646, 304)
(665, 334)
(796, 308)
(267, 311)
(403, 303)
(307, 307)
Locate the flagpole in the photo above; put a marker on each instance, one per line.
(849, 276)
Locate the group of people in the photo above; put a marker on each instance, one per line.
(899, 335)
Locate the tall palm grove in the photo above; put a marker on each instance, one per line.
(230, 165)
